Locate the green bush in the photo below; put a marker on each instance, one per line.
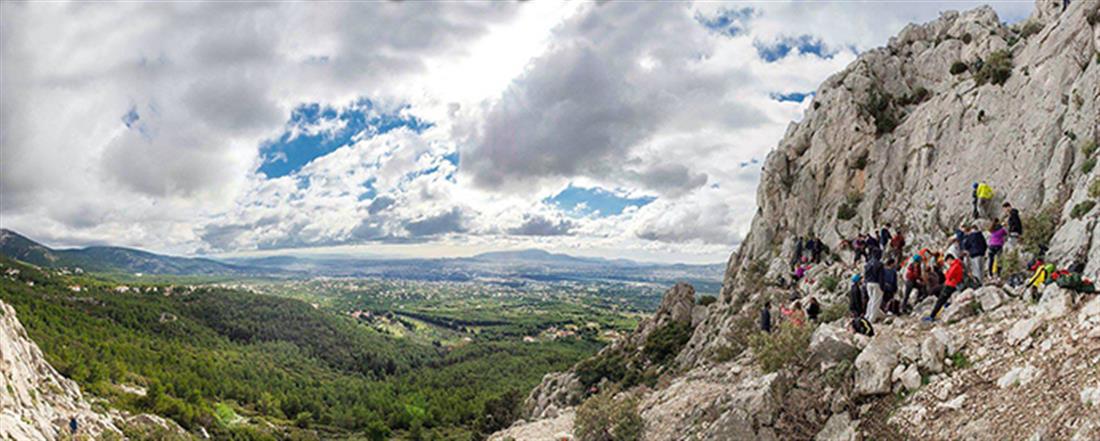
(1030, 28)
(1093, 18)
(706, 300)
(1094, 188)
(605, 418)
(1039, 227)
(880, 106)
(1010, 263)
(592, 370)
(665, 342)
(829, 283)
(833, 312)
(996, 69)
(958, 67)
(847, 210)
(787, 345)
(1088, 148)
(967, 38)
(1082, 209)
(1088, 165)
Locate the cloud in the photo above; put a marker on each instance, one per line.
(543, 226)
(452, 221)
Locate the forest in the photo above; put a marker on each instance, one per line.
(227, 360)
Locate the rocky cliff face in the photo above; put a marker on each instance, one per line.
(36, 402)
(899, 136)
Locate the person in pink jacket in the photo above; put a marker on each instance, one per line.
(997, 236)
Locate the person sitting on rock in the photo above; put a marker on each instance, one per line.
(766, 318)
(861, 325)
(953, 278)
(794, 314)
(813, 309)
(1041, 277)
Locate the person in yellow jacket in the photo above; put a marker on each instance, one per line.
(983, 196)
(1037, 280)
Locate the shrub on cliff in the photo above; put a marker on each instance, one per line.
(781, 348)
(607, 418)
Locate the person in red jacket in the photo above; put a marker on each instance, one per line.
(952, 279)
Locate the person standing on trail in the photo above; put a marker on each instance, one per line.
(914, 281)
(766, 318)
(951, 283)
(884, 235)
(797, 258)
(897, 246)
(983, 195)
(889, 286)
(855, 297)
(73, 426)
(1012, 219)
(873, 274)
(975, 247)
(997, 237)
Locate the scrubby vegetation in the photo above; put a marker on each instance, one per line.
(958, 67)
(1030, 28)
(1094, 188)
(1082, 208)
(706, 300)
(1088, 165)
(829, 283)
(666, 341)
(996, 69)
(847, 210)
(1039, 227)
(880, 107)
(603, 417)
(782, 347)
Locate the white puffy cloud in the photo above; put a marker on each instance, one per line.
(145, 124)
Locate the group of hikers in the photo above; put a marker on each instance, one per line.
(892, 281)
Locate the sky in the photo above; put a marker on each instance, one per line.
(412, 129)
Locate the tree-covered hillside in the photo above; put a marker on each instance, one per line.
(228, 361)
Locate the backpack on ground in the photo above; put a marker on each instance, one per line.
(863, 326)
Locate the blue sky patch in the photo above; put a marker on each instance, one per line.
(315, 130)
(598, 201)
(794, 97)
(728, 22)
(806, 44)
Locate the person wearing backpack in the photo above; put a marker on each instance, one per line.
(897, 246)
(766, 318)
(873, 275)
(953, 278)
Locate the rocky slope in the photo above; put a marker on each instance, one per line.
(36, 402)
(897, 137)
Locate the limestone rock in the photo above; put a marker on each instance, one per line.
(36, 402)
(910, 378)
(1022, 330)
(990, 297)
(840, 427)
(831, 343)
(557, 390)
(1055, 303)
(933, 349)
(875, 365)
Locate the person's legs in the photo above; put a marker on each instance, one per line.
(976, 268)
(993, 252)
(942, 300)
(874, 291)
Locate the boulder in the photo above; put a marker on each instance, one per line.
(933, 349)
(962, 305)
(910, 378)
(1090, 396)
(875, 365)
(1022, 330)
(1055, 303)
(1016, 376)
(831, 344)
(1090, 313)
(990, 297)
(839, 427)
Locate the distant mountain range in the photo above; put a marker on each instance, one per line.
(500, 266)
